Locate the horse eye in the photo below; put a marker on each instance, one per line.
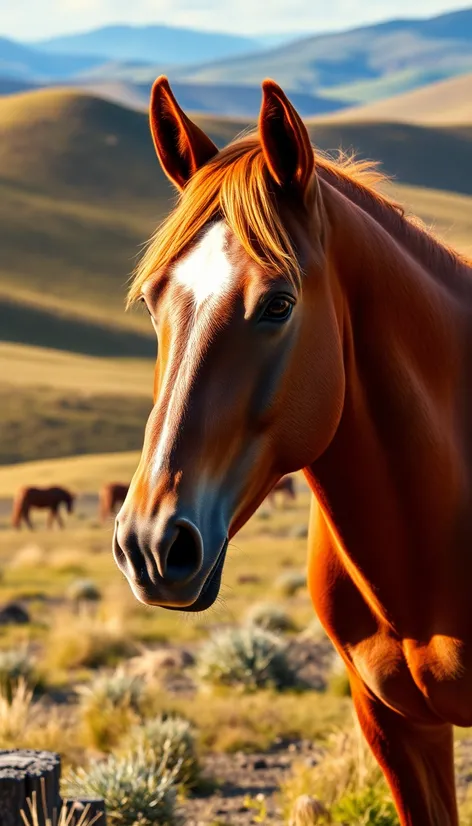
(143, 302)
(279, 309)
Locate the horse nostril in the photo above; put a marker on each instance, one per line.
(185, 555)
(126, 550)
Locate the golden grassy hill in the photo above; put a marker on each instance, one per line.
(55, 403)
(81, 190)
(446, 103)
(59, 403)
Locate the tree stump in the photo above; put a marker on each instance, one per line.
(35, 776)
(24, 774)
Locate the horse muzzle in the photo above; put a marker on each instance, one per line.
(175, 570)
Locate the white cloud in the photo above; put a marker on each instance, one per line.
(31, 19)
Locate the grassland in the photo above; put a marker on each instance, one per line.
(446, 103)
(56, 404)
(302, 738)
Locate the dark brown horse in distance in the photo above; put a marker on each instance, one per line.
(285, 486)
(44, 498)
(112, 495)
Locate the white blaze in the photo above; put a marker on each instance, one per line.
(206, 270)
(206, 273)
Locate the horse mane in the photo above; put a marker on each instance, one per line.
(236, 185)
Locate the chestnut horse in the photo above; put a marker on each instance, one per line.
(285, 486)
(44, 498)
(111, 495)
(304, 322)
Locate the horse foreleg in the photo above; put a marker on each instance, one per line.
(26, 516)
(59, 519)
(416, 759)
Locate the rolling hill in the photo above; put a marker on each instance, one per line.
(55, 404)
(226, 100)
(360, 65)
(448, 102)
(153, 44)
(80, 190)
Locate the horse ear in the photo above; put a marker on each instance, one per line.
(285, 141)
(181, 146)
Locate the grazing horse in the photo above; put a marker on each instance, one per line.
(111, 495)
(44, 498)
(286, 486)
(304, 322)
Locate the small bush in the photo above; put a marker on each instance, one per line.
(314, 632)
(347, 781)
(16, 665)
(270, 617)
(76, 642)
(109, 707)
(15, 706)
(247, 658)
(172, 739)
(289, 583)
(83, 590)
(308, 811)
(138, 789)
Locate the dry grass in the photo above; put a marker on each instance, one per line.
(87, 642)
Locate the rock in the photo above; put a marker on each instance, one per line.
(14, 614)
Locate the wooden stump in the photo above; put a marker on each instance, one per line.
(22, 774)
(35, 776)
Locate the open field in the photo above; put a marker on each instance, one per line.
(259, 748)
(55, 403)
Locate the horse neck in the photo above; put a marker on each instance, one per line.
(390, 479)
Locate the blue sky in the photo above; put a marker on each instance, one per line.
(34, 19)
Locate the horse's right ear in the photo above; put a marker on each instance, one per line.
(181, 146)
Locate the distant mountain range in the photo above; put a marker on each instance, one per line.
(151, 44)
(360, 65)
(222, 73)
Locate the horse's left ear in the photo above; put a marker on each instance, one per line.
(285, 141)
(181, 146)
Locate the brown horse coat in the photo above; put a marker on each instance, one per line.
(304, 322)
(49, 499)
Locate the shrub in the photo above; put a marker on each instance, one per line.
(138, 789)
(347, 781)
(247, 658)
(16, 665)
(15, 707)
(170, 738)
(76, 642)
(289, 583)
(109, 707)
(314, 632)
(83, 590)
(308, 811)
(270, 617)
